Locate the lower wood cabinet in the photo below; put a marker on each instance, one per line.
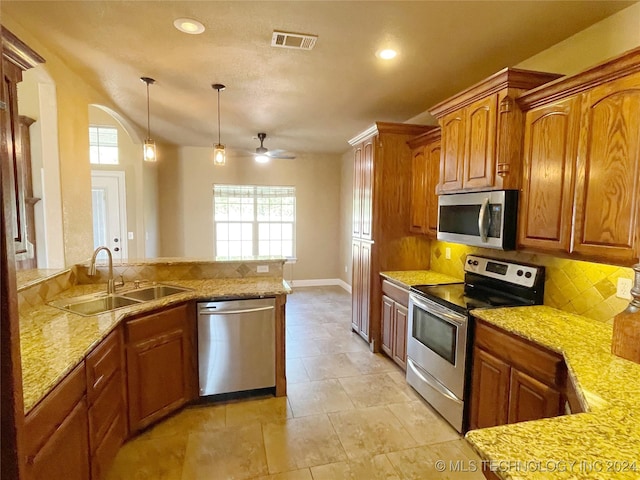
(395, 315)
(161, 364)
(513, 380)
(361, 287)
(57, 432)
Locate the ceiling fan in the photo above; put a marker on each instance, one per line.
(263, 154)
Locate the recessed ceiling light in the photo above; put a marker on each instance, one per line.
(387, 54)
(188, 25)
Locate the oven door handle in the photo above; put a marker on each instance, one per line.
(483, 220)
(432, 383)
(439, 311)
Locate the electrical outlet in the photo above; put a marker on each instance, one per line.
(624, 288)
(447, 253)
(346, 269)
(130, 235)
(263, 269)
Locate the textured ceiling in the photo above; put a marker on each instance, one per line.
(306, 101)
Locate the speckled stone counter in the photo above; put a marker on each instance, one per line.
(602, 443)
(53, 341)
(409, 278)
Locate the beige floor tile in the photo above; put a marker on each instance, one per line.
(192, 419)
(329, 366)
(233, 453)
(377, 467)
(303, 474)
(318, 397)
(349, 343)
(370, 390)
(369, 362)
(424, 424)
(296, 373)
(303, 347)
(300, 443)
(264, 410)
(370, 431)
(295, 332)
(441, 461)
(160, 458)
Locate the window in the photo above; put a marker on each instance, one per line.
(103, 145)
(254, 220)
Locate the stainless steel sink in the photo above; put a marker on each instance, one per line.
(153, 292)
(94, 304)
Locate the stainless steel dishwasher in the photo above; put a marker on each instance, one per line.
(236, 346)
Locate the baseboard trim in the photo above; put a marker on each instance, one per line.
(321, 282)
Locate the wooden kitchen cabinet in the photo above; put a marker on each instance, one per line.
(582, 145)
(161, 364)
(425, 173)
(382, 240)
(57, 432)
(513, 380)
(482, 131)
(395, 315)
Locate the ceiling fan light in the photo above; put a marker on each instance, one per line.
(262, 158)
(150, 151)
(219, 157)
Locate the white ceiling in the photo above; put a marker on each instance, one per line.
(306, 101)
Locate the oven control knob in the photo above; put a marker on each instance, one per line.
(519, 273)
(470, 262)
(527, 275)
(475, 263)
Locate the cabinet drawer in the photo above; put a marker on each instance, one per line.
(542, 364)
(104, 454)
(102, 363)
(48, 415)
(108, 405)
(396, 293)
(156, 324)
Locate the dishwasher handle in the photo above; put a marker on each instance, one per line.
(214, 311)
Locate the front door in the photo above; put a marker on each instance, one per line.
(108, 194)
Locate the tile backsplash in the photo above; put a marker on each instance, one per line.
(584, 288)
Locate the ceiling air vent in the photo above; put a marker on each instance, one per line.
(298, 41)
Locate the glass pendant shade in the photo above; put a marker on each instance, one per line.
(150, 151)
(219, 154)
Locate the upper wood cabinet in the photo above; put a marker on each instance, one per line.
(425, 173)
(581, 188)
(482, 132)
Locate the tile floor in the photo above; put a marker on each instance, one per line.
(348, 415)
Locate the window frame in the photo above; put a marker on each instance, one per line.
(99, 145)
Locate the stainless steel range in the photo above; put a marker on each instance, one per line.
(440, 334)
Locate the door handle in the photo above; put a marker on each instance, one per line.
(483, 220)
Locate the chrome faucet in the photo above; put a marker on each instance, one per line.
(111, 285)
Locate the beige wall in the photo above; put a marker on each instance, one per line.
(346, 216)
(187, 225)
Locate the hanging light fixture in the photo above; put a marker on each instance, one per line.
(218, 148)
(149, 145)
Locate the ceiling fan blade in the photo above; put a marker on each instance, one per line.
(281, 154)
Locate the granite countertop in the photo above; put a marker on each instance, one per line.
(603, 442)
(408, 278)
(53, 341)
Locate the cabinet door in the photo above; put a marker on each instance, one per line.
(356, 286)
(479, 159)
(530, 399)
(608, 172)
(65, 455)
(357, 191)
(365, 275)
(432, 153)
(489, 391)
(418, 191)
(387, 325)
(159, 374)
(400, 317)
(550, 143)
(452, 159)
(367, 189)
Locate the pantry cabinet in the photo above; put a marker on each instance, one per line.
(381, 218)
(425, 173)
(482, 131)
(581, 192)
(513, 380)
(161, 364)
(395, 316)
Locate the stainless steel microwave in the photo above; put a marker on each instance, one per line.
(481, 219)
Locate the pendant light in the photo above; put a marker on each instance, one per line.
(218, 148)
(149, 150)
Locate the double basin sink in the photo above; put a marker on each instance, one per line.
(93, 304)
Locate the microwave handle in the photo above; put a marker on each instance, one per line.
(483, 220)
